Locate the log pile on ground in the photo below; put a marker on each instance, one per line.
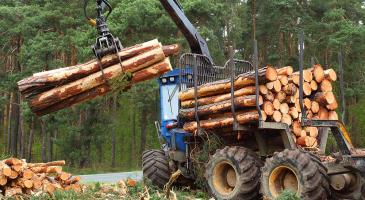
(279, 101)
(18, 177)
(50, 91)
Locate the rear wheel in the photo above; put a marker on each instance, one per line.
(155, 167)
(347, 186)
(233, 173)
(297, 171)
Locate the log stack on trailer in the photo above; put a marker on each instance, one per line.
(278, 100)
(50, 91)
(18, 177)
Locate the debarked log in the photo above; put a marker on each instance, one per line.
(243, 117)
(224, 86)
(220, 107)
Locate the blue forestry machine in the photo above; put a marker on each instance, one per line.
(266, 161)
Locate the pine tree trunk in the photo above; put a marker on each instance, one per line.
(11, 99)
(115, 100)
(21, 134)
(30, 140)
(44, 140)
(143, 125)
(15, 125)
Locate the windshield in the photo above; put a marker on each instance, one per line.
(169, 102)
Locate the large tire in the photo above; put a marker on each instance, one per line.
(352, 191)
(234, 173)
(295, 170)
(155, 167)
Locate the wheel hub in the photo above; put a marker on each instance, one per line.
(224, 178)
(283, 178)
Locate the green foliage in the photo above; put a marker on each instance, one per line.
(288, 195)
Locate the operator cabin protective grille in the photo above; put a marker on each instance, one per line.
(206, 72)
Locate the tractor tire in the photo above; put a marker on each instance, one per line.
(155, 167)
(295, 170)
(234, 173)
(353, 191)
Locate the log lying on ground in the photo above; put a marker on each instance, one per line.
(34, 178)
(56, 89)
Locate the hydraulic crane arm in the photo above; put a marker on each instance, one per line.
(197, 44)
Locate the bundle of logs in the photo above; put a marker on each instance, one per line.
(18, 177)
(278, 100)
(50, 91)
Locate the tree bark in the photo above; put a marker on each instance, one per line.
(142, 75)
(219, 98)
(115, 100)
(30, 140)
(240, 102)
(15, 125)
(44, 140)
(58, 94)
(242, 118)
(224, 86)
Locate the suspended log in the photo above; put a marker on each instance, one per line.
(131, 65)
(242, 118)
(220, 107)
(154, 71)
(219, 98)
(224, 86)
(44, 81)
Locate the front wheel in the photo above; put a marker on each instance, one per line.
(233, 173)
(297, 171)
(155, 167)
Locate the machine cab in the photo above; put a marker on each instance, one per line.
(169, 91)
(169, 109)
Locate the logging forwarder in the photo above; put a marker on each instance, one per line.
(237, 169)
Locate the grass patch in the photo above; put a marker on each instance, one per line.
(288, 195)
